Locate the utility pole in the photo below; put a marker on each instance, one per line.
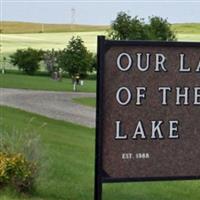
(42, 30)
(73, 15)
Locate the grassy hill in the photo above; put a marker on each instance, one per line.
(25, 27)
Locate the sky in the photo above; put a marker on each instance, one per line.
(97, 12)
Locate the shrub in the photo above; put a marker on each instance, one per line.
(17, 172)
(20, 159)
(27, 60)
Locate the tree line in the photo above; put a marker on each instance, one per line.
(77, 61)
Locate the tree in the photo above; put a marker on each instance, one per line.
(94, 65)
(121, 27)
(50, 58)
(124, 27)
(27, 60)
(160, 29)
(138, 29)
(76, 60)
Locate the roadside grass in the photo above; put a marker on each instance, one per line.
(86, 101)
(22, 81)
(70, 173)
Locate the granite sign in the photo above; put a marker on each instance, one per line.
(148, 112)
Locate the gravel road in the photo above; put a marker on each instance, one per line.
(56, 105)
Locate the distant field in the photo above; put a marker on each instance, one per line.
(188, 37)
(187, 28)
(12, 42)
(24, 27)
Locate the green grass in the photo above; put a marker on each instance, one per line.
(70, 173)
(43, 83)
(86, 101)
(26, 27)
(70, 155)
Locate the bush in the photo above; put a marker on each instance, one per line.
(20, 159)
(27, 60)
(17, 172)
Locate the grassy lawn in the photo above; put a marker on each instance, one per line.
(42, 83)
(70, 153)
(86, 101)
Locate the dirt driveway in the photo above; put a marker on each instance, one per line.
(56, 105)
